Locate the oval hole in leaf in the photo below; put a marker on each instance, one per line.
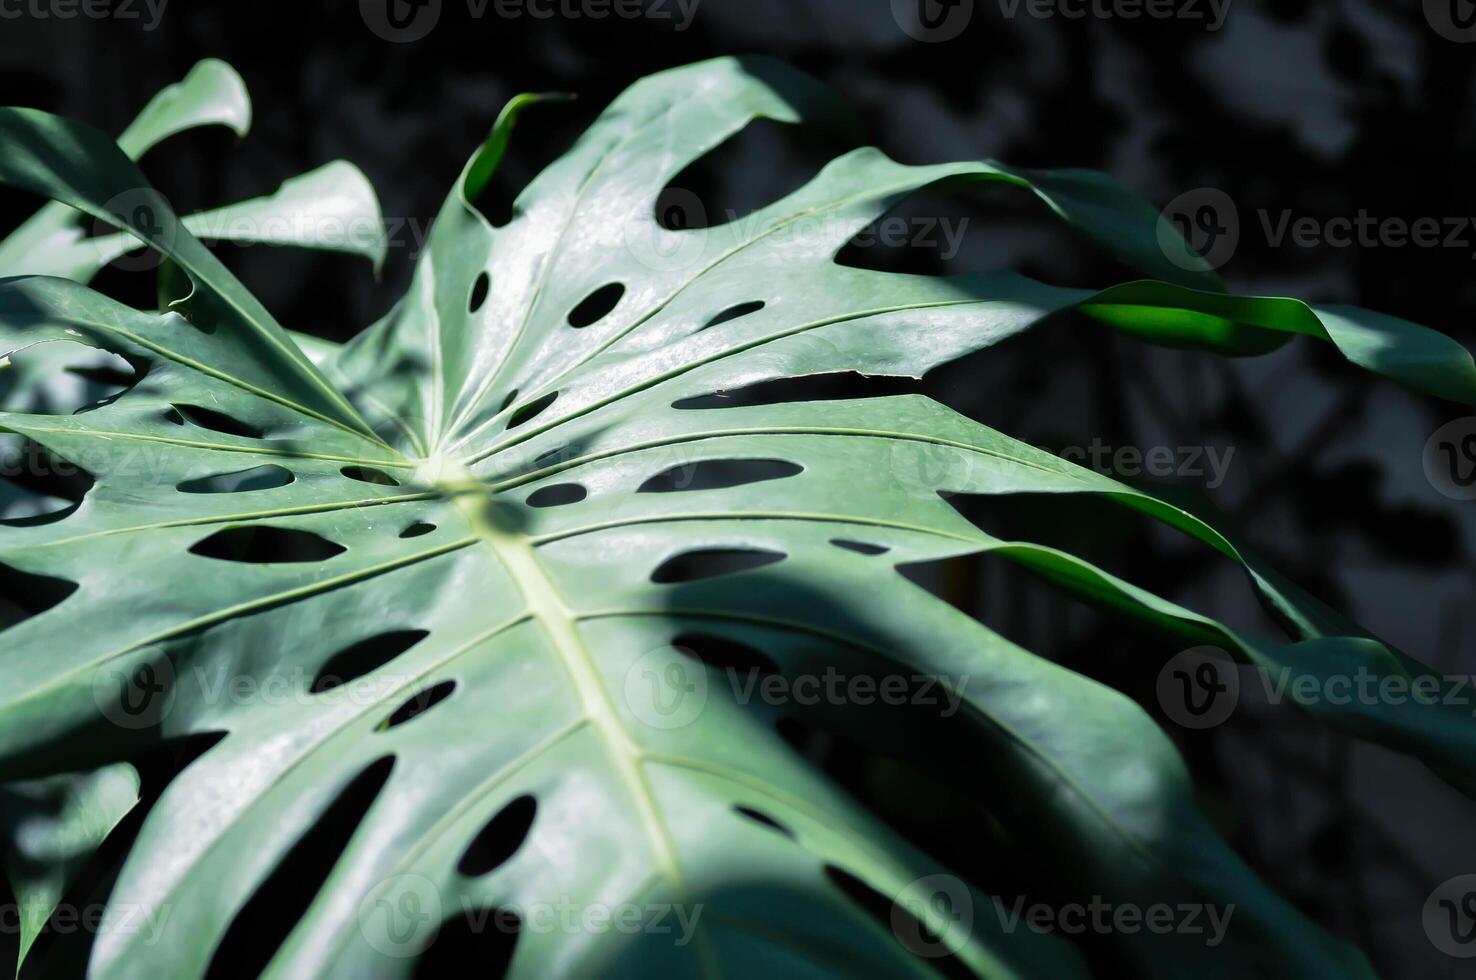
(808, 388)
(764, 819)
(479, 292)
(734, 312)
(368, 474)
(363, 657)
(23, 595)
(596, 306)
(557, 495)
(210, 419)
(690, 566)
(531, 409)
(266, 546)
(899, 922)
(417, 529)
(267, 477)
(717, 474)
(725, 654)
(507, 401)
(418, 704)
(479, 943)
(264, 922)
(860, 547)
(499, 839)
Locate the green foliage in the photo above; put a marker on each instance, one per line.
(506, 489)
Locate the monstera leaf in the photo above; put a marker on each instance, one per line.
(492, 612)
(56, 823)
(332, 208)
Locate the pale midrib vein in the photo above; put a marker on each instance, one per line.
(560, 624)
(551, 256)
(713, 358)
(548, 471)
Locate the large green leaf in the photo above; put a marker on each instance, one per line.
(331, 208)
(528, 495)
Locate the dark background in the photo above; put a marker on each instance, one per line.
(1315, 109)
